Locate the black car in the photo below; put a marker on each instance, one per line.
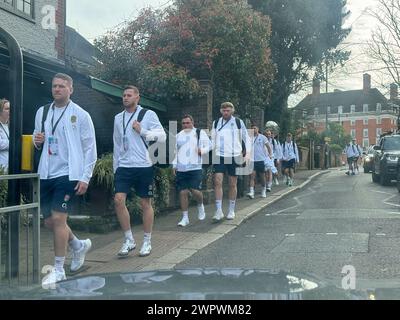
(386, 156)
(369, 160)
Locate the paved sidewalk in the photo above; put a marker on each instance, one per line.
(171, 244)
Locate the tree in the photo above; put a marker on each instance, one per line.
(384, 46)
(226, 42)
(305, 33)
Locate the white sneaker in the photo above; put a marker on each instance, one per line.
(78, 257)
(219, 215)
(231, 216)
(127, 247)
(264, 193)
(184, 222)
(52, 278)
(202, 214)
(290, 183)
(251, 195)
(146, 249)
(276, 181)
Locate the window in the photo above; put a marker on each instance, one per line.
(366, 133)
(365, 122)
(315, 111)
(353, 133)
(366, 143)
(378, 132)
(353, 122)
(378, 108)
(328, 110)
(353, 109)
(365, 108)
(379, 120)
(24, 7)
(340, 109)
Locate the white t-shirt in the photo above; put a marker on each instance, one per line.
(58, 164)
(133, 153)
(290, 151)
(259, 148)
(4, 145)
(187, 159)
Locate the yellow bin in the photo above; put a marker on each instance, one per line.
(27, 153)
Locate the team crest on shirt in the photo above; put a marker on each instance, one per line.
(74, 119)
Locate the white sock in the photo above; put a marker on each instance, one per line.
(129, 235)
(270, 185)
(232, 206)
(186, 215)
(59, 263)
(251, 190)
(201, 208)
(219, 204)
(76, 244)
(147, 237)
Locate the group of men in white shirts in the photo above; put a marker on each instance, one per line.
(64, 134)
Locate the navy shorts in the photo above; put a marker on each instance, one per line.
(141, 179)
(189, 180)
(54, 194)
(259, 167)
(350, 160)
(227, 165)
(289, 164)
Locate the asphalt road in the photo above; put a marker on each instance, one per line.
(334, 222)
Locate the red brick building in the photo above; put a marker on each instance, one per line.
(364, 114)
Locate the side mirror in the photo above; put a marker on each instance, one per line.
(377, 148)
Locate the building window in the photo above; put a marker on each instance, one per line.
(379, 120)
(365, 122)
(340, 109)
(378, 108)
(366, 143)
(352, 122)
(328, 110)
(315, 111)
(378, 132)
(24, 7)
(352, 109)
(366, 133)
(365, 108)
(353, 133)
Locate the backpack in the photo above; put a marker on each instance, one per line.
(140, 117)
(37, 154)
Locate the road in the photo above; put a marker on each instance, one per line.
(336, 221)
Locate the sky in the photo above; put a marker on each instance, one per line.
(93, 21)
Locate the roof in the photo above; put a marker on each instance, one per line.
(342, 98)
(77, 47)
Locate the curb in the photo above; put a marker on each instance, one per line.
(185, 251)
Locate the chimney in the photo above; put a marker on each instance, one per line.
(367, 82)
(316, 87)
(394, 92)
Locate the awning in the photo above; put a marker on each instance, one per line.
(117, 91)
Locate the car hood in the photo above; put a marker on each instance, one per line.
(190, 284)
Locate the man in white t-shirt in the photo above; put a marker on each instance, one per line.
(67, 161)
(4, 133)
(290, 158)
(191, 145)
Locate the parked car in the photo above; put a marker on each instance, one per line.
(368, 161)
(386, 156)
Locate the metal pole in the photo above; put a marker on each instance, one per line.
(16, 100)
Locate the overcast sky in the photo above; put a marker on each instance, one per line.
(94, 20)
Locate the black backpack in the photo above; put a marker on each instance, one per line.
(141, 115)
(38, 152)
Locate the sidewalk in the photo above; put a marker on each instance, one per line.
(171, 244)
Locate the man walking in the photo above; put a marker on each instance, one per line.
(134, 130)
(191, 145)
(262, 159)
(4, 134)
(351, 154)
(232, 146)
(290, 159)
(65, 134)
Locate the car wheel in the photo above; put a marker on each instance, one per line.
(384, 180)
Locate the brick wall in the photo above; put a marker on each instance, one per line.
(60, 21)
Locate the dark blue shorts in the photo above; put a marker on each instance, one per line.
(289, 164)
(54, 195)
(141, 179)
(259, 167)
(189, 180)
(228, 165)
